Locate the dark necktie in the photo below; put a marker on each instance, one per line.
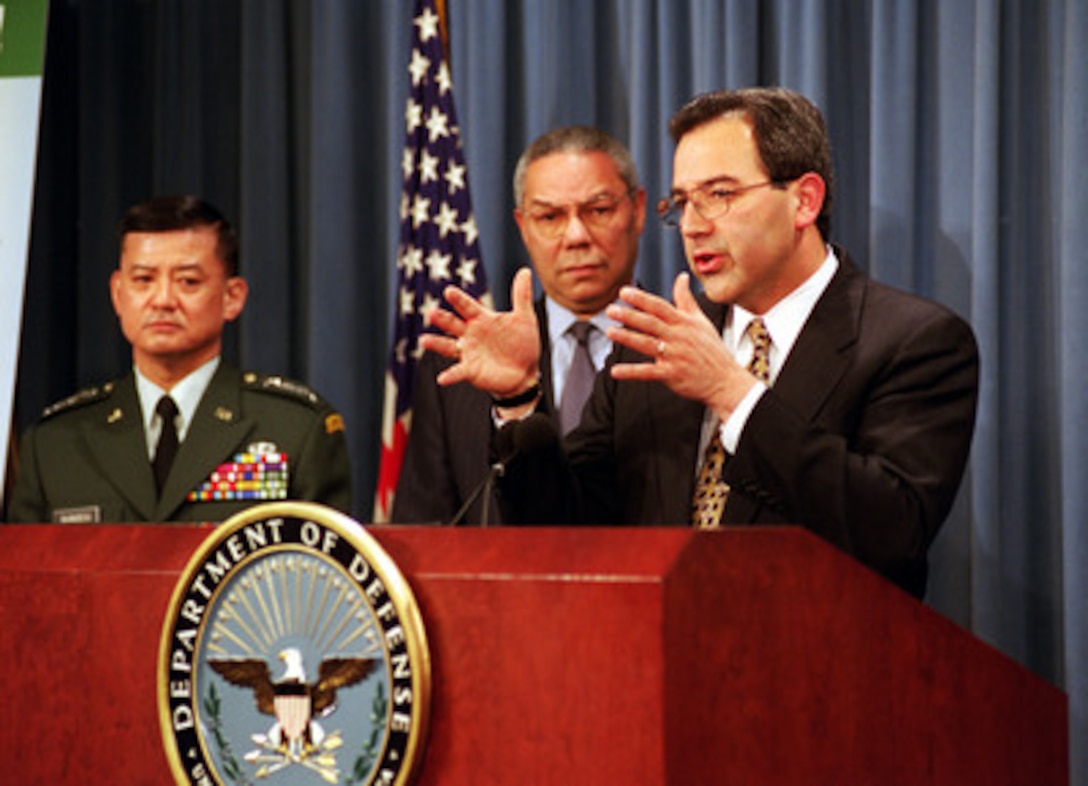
(580, 377)
(168, 441)
(711, 491)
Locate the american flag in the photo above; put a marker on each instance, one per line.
(438, 237)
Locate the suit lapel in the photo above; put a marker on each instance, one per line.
(546, 360)
(217, 431)
(119, 447)
(819, 357)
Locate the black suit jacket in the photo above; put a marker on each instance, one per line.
(449, 452)
(87, 458)
(863, 439)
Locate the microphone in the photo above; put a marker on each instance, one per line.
(495, 471)
(525, 436)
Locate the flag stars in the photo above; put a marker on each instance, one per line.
(419, 67)
(421, 211)
(427, 22)
(466, 271)
(428, 167)
(407, 302)
(413, 116)
(411, 261)
(469, 228)
(443, 80)
(437, 124)
(429, 304)
(446, 221)
(439, 265)
(455, 177)
(435, 218)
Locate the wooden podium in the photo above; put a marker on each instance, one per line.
(611, 657)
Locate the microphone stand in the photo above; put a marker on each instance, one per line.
(496, 471)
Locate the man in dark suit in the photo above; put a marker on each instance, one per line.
(184, 437)
(580, 209)
(830, 401)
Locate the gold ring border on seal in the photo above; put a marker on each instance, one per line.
(400, 593)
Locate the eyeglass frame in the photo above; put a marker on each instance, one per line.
(579, 209)
(671, 212)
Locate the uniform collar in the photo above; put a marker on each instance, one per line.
(186, 394)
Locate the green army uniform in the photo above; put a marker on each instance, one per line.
(254, 438)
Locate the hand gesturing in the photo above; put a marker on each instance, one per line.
(497, 352)
(687, 350)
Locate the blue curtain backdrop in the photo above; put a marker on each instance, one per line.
(961, 143)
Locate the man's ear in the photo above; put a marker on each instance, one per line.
(234, 298)
(811, 191)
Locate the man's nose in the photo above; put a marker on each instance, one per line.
(692, 222)
(164, 293)
(576, 230)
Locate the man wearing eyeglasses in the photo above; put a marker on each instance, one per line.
(580, 209)
(793, 389)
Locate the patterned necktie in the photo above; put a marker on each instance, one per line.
(580, 377)
(168, 441)
(711, 491)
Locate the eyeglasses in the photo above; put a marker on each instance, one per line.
(710, 200)
(552, 221)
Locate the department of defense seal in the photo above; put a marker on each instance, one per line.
(293, 652)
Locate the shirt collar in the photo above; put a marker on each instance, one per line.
(186, 394)
(560, 319)
(787, 317)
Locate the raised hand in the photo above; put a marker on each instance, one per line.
(687, 351)
(497, 352)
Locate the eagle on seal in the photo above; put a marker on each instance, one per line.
(291, 700)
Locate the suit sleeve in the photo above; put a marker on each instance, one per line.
(426, 489)
(877, 471)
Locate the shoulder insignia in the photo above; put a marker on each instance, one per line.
(275, 384)
(334, 423)
(77, 400)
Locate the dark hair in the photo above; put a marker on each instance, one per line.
(789, 132)
(576, 139)
(169, 213)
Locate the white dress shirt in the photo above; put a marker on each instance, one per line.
(784, 323)
(563, 343)
(186, 394)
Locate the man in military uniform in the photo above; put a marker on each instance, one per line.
(185, 436)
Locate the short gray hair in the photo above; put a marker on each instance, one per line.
(576, 139)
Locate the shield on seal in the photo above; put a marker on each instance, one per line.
(293, 709)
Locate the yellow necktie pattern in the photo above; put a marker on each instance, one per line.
(711, 491)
